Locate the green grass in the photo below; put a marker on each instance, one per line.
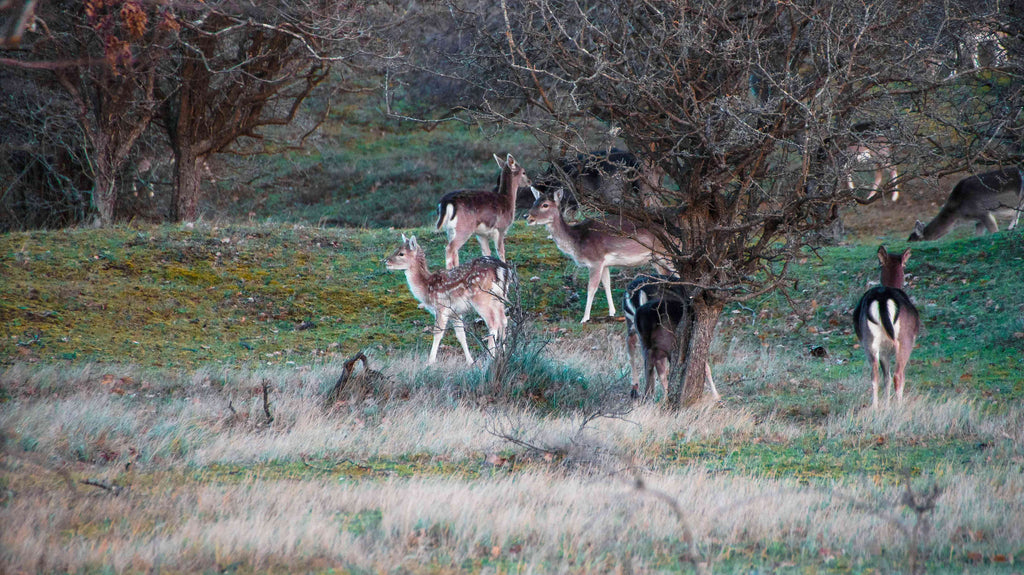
(363, 170)
(130, 344)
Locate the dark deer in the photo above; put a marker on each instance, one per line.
(653, 305)
(887, 323)
(597, 244)
(484, 214)
(480, 285)
(979, 198)
(610, 177)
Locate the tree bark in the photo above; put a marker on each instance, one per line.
(185, 198)
(693, 346)
(104, 192)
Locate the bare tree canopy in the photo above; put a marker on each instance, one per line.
(236, 72)
(215, 75)
(747, 106)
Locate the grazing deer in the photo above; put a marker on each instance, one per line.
(485, 214)
(596, 244)
(481, 285)
(653, 306)
(887, 322)
(979, 198)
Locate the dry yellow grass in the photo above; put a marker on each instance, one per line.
(546, 521)
(579, 513)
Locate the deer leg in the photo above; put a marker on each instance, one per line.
(499, 244)
(648, 375)
(631, 343)
(460, 334)
(711, 381)
(902, 358)
(988, 222)
(1017, 210)
(894, 177)
(606, 278)
(451, 252)
(873, 360)
(440, 324)
(485, 248)
(662, 367)
(886, 376)
(596, 273)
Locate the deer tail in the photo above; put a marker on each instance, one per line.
(889, 312)
(445, 212)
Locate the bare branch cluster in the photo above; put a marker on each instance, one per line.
(749, 107)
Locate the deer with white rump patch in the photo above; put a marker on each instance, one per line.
(481, 285)
(887, 323)
(654, 305)
(481, 213)
(979, 198)
(596, 244)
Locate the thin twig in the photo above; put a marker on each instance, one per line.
(113, 489)
(266, 402)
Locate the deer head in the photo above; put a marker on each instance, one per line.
(545, 207)
(892, 267)
(405, 255)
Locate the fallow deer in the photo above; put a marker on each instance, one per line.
(979, 198)
(596, 244)
(481, 213)
(871, 151)
(654, 305)
(887, 323)
(874, 154)
(481, 285)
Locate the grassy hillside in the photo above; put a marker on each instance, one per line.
(182, 297)
(134, 359)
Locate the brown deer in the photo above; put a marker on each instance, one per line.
(979, 198)
(481, 213)
(654, 305)
(887, 322)
(597, 244)
(481, 285)
(876, 154)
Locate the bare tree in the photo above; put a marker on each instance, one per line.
(745, 105)
(104, 55)
(239, 70)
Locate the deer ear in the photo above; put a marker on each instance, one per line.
(413, 245)
(558, 195)
(882, 254)
(404, 239)
(511, 161)
(536, 193)
(905, 256)
(500, 163)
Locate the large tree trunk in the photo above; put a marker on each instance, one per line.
(693, 346)
(104, 185)
(104, 194)
(185, 199)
